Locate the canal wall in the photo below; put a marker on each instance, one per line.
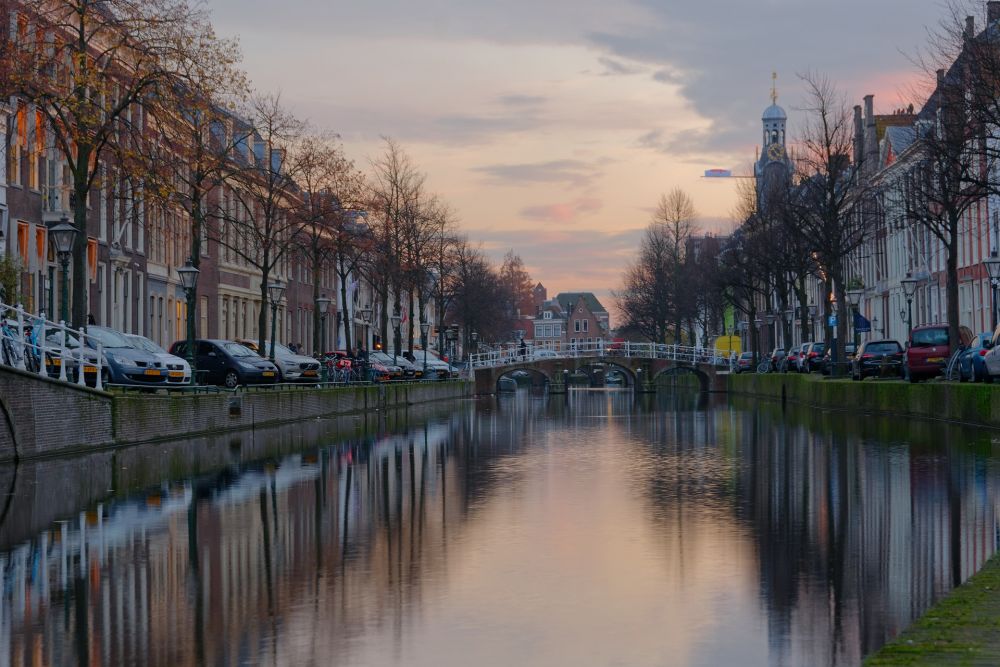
(42, 417)
(967, 403)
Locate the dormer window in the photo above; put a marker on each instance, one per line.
(547, 315)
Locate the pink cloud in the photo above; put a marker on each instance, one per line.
(563, 212)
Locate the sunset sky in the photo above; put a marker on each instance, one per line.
(552, 126)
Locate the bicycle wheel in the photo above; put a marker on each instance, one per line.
(764, 367)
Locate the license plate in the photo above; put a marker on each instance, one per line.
(268, 374)
(176, 374)
(311, 374)
(936, 360)
(151, 371)
(90, 369)
(55, 362)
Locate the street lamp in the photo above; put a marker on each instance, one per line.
(854, 298)
(189, 281)
(323, 307)
(993, 269)
(424, 328)
(275, 291)
(813, 310)
(396, 320)
(63, 237)
(909, 288)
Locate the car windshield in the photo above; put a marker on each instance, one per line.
(108, 338)
(143, 343)
(883, 348)
(818, 348)
(746, 355)
(930, 337)
(55, 337)
(238, 350)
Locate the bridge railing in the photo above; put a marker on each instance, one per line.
(51, 349)
(515, 354)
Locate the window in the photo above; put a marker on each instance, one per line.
(547, 315)
(576, 326)
(586, 323)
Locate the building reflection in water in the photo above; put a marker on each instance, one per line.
(830, 536)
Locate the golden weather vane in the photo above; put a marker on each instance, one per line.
(774, 87)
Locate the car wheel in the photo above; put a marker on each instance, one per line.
(232, 379)
(961, 375)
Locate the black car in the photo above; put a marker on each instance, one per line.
(813, 357)
(826, 363)
(126, 364)
(226, 363)
(878, 358)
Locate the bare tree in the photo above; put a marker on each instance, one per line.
(261, 224)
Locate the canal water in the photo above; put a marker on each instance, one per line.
(595, 529)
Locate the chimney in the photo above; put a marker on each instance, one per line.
(871, 135)
(992, 11)
(859, 136)
(970, 26)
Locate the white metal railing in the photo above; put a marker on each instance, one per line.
(515, 354)
(51, 349)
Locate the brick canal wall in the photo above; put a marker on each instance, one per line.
(42, 417)
(949, 401)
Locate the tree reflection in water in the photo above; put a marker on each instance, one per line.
(708, 531)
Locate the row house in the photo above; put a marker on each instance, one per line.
(897, 247)
(569, 320)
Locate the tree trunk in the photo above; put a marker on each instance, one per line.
(343, 277)
(262, 317)
(317, 320)
(951, 286)
(78, 309)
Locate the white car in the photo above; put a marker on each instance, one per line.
(292, 366)
(178, 369)
(543, 353)
(436, 368)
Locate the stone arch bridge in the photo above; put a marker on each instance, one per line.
(642, 363)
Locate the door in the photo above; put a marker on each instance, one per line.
(212, 360)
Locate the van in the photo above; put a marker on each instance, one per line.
(927, 352)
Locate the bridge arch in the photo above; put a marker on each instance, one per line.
(590, 367)
(538, 376)
(676, 371)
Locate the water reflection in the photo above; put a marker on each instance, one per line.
(595, 528)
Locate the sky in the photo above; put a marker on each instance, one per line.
(551, 127)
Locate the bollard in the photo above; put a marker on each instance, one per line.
(81, 366)
(99, 383)
(62, 353)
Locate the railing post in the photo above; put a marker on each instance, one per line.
(20, 338)
(62, 352)
(80, 374)
(99, 384)
(41, 348)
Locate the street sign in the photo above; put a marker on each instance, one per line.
(833, 320)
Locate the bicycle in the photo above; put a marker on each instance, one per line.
(764, 366)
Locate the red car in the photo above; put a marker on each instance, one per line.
(927, 352)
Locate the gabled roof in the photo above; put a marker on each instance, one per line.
(568, 301)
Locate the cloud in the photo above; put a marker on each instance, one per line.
(614, 67)
(576, 173)
(565, 212)
(521, 100)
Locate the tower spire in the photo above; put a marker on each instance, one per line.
(774, 87)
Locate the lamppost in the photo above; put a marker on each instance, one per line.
(323, 307)
(789, 318)
(189, 281)
(993, 269)
(63, 236)
(366, 317)
(396, 319)
(452, 336)
(757, 323)
(812, 320)
(424, 328)
(909, 288)
(770, 329)
(275, 291)
(854, 298)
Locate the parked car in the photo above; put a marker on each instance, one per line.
(126, 364)
(436, 368)
(927, 352)
(793, 357)
(226, 363)
(778, 358)
(744, 363)
(178, 370)
(811, 357)
(544, 353)
(972, 362)
(802, 357)
(824, 364)
(878, 358)
(292, 367)
(395, 371)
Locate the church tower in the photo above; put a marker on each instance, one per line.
(773, 168)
